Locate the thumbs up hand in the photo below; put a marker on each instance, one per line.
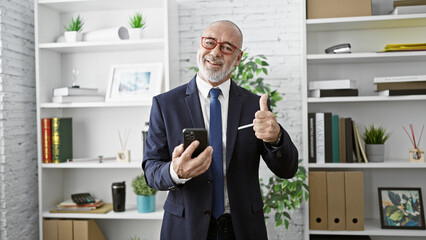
(266, 126)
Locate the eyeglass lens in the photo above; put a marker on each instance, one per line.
(225, 48)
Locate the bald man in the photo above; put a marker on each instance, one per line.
(215, 195)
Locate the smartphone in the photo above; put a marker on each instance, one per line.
(192, 134)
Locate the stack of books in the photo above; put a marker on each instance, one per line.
(333, 88)
(401, 85)
(405, 47)
(69, 205)
(70, 94)
(409, 7)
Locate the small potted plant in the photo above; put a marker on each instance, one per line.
(374, 139)
(145, 195)
(73, 30)
(137, 23)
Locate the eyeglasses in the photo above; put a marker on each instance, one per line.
(225, 47)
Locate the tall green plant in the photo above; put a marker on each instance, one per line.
(75, 25)
(284, 195)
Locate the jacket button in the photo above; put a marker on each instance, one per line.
(209, 180)
(207, 212)
(279, 154)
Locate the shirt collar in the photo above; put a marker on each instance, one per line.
(204, 87)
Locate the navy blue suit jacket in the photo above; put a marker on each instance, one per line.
(187, 207)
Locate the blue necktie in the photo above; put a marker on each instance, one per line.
(215, 135)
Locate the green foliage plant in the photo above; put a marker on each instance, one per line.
(137, 21)
(281, 195)
(134, 238)
(375, 135)
(75, 25)
(140, 187)
(284, 195)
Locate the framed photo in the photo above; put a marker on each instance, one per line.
(134, 82)
(401, 208)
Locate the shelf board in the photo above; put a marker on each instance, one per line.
(366, 22)
(387, 164)
(95, 164)
(130, 213)
(146, 103)
(367, 99)
(104, 46)
(372, 228)
(66, 6)
(367, 57)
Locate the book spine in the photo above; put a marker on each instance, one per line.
(342, 138)
(320, 137)
(335, 138)
(46, 143)
(349, 139)
(61, 139)
(401, 86)
(328, 138)
(400, 79)
(312, 138)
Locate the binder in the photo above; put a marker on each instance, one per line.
(354, 196)
(318, 200)
(336, 200)
(349, 140)
(65, 230)
(312, 138)
(335, 138)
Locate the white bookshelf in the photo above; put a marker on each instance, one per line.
(95, 124)
(368, 35)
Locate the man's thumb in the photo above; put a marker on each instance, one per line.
(263, 102)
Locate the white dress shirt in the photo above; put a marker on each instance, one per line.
(203, 92)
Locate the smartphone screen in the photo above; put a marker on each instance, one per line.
(192, 134)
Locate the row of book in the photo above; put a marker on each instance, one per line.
(76, 94)
(56, 141)
(334, 139)
(336, 200)
(385, 86)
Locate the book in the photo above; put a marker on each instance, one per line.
(400, 85)
(335, 138)
(356, 144)
(349, 140)
(409, 9)
(360, 144)
(312, 138)
(70, 99)
(414, 78)
(106, 207)
(398, 3)
(404, 47)
(323, 137)
(332, 84)
(70, 91)
(333, 92)
(402, 92)
(61, 139)
(69, 203)
(46, 142)
(342, 140)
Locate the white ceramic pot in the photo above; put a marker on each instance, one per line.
(73, 36)
(375, 152)
(135, 33)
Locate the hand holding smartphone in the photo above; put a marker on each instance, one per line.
(192, 134)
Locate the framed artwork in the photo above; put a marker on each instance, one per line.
(401, 208)
(134, 82)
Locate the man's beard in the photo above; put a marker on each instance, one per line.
(211, 75)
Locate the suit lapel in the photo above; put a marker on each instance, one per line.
(234, 111)
(193, 104)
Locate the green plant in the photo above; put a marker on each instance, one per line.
(75, 25)
(249, 68)
(137, 21)
(284, 195)
(375, 135)
(140, 187)
(134, 238)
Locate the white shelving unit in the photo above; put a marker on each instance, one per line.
(368, 36)
(95, 124)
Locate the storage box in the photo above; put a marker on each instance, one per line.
(65, 230)
(337, 8)
(50, 229)
(87, 230)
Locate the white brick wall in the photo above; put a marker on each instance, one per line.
(18, 148)
(271, 28)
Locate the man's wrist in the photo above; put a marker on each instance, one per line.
(277, 143)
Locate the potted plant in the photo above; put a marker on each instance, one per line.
(374, 139)
(73, 30)
(280, 195)
(145, 195)
(137, 23)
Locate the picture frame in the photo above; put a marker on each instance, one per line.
(134, 82)
(401, 208)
